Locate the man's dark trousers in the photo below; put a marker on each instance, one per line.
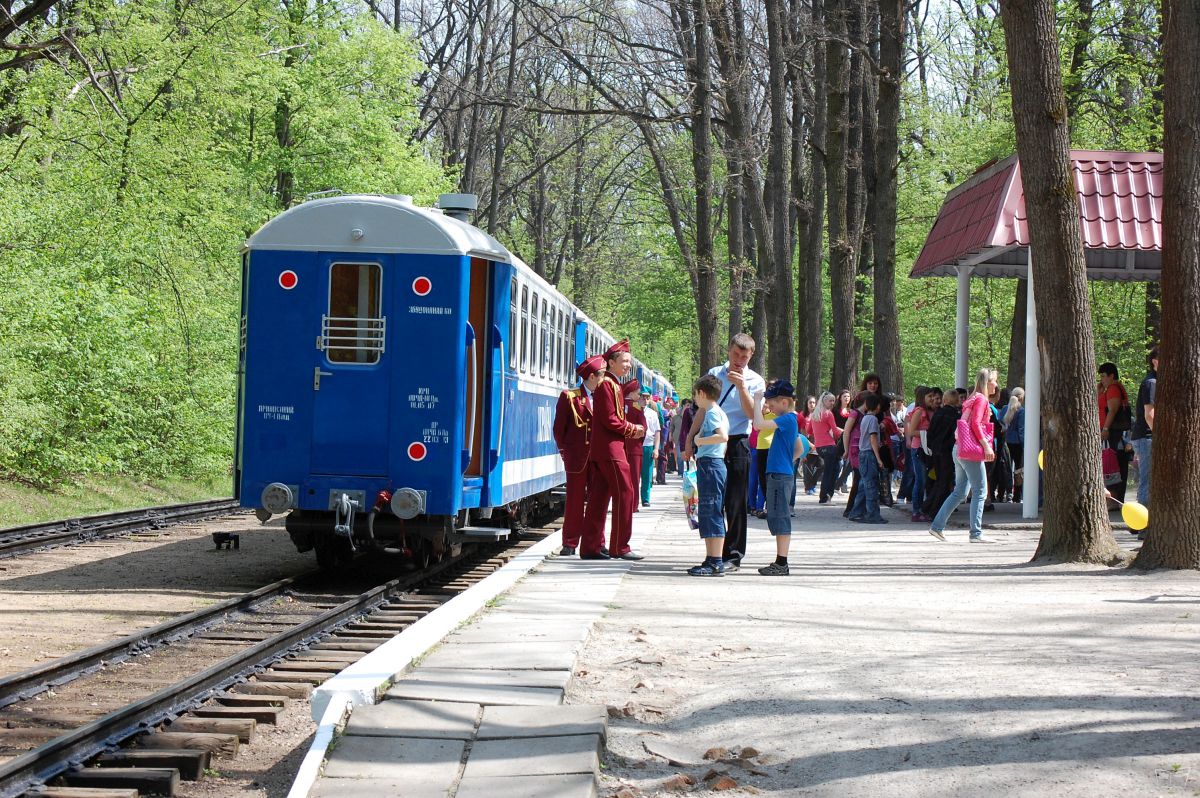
(737, 466)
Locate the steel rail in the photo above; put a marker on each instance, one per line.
(26, 771)
(29, 537)
(28, 683)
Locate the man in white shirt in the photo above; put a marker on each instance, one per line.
(739, 383)
(650, 445)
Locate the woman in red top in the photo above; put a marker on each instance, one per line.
(825, 431)
(971, 458)
(811, 466)
(842, 416)
(1114, 423)
(915, 429)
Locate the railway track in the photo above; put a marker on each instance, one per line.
(209, 679)
(31, 537)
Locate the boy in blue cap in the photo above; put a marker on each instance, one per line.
(780, 399)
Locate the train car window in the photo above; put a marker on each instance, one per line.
(535, 335)
(524, 327)
(562, 347)
(353, 329)
(545, 336)
(512, 325)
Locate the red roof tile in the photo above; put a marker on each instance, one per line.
(1120, 208)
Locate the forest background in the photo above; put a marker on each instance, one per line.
(679, 168)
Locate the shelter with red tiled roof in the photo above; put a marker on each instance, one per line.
(982, 230)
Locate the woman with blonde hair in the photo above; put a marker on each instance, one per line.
(1014, 437)
(972, 451)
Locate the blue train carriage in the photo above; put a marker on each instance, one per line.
(397, 378)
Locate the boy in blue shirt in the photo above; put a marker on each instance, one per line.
(780, 399)
(710, 475)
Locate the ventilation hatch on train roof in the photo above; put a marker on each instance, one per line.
(374, 223)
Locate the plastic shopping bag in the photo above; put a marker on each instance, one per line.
(691, 497)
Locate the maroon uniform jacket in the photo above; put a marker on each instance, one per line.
(609, 427)
(572, 428)
(633, 446)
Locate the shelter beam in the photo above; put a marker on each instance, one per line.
(1033, 404)
(962, 326)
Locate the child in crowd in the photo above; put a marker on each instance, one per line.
(870, 461)
(710, 475)
(780, 399)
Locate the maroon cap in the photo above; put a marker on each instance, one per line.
(630, 388)
(617, 348)
(593, 365)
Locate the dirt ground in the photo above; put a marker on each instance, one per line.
(62, 600)
(890, 664)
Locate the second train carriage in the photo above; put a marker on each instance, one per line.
(398, 375)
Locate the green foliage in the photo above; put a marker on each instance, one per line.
(124, 200)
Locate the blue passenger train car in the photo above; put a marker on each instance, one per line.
(398, 375)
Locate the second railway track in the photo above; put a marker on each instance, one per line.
(32, 537)
(226, 669)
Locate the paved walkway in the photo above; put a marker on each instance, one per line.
(482, 715)
(890, 664)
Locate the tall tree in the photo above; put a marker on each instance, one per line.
(811, 303)
(1075, 526)
(781, 302)
(841, 247)
(887, 156)
(1174, 540)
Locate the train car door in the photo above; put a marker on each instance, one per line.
(350, 379)
(486, 365)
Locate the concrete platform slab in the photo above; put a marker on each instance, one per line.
(485, 694)
(415, 762)
(523, 630)
(575, 785)
(433, 719)
(537, 756)
(516, 722)
(376, 788)
(457, 678)
(557, 656)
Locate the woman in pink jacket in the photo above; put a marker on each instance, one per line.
(970, 456)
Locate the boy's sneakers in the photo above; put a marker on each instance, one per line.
(937, 534)
(774, 569)
(707, 569)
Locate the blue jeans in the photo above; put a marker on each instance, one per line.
(754, 491)
(906, 480)
(968, 474)
(779, 511)
(917, 467)
(710, 483)
(866, 500)
(1142, 447)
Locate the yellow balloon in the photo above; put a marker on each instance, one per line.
(1042, 459)
(1136, 515)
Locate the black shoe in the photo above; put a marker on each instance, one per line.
(629, 555)
(597, 556)
(731, 565)
(604, 551)
(645, 504)
(989, 508)
(566, 551)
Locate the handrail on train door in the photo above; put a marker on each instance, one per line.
(474, 397)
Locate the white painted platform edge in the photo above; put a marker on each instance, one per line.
(310, 767)
(361, 682)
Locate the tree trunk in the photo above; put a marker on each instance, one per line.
(781, 307)
(887, 155)
(706, 275)
(1075, 526)
(841, 248)
(811, 303)
(737, 248)
(1174, 539)
(501, 142)
(1015, 375)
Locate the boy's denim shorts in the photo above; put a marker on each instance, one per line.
(710, 483)
(779, 510)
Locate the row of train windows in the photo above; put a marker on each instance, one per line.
(539, 334)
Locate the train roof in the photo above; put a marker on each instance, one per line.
(374, 223)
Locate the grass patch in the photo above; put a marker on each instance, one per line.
(88, 495)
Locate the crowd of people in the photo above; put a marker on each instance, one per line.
(754, 446)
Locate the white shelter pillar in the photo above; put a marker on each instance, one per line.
(1033, 403)
(962, 326)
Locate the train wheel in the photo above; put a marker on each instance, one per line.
(423, 554)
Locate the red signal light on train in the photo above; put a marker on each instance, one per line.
(422, 286)
(417, 451)
(288, 279)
